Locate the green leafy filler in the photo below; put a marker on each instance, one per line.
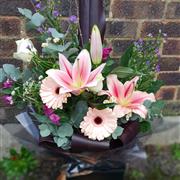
(18, 164)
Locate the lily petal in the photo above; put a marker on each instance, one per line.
(116, 88)
(138, 97)
(129, 87)
(65, 65)
(141, 111)
(82, 67)
(121, 111)
(60, 77)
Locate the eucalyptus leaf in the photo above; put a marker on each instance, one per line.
(122, 72)
(157, 107)
(2, 75)
(37, 19)
(27, 73)
(12, 71)
(147, 104)
(25, 12)
(55, 33)
(65, 130)
(70, 52)
(56, 48)
(61, 141)
(41, 118)
(79, 112)
(103, 106)
(119, 130)
(44, 130)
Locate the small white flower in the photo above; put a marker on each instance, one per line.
(128, 116)
(13, 93)
(25, 50)
(40, 77)
(56, 40)
(43, 45)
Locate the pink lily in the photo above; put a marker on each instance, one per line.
(77, 77)
(128, 100)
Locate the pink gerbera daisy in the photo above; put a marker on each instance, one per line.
(50, 95)
(99, 124)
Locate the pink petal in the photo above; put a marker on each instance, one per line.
(141, 111)
(93, 76)
(129, 86)
(139, 97)
(116, 88)
(60, 77)
(65, 65)
(82, 67)
(120, 111)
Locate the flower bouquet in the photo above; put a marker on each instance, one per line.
(82, 99)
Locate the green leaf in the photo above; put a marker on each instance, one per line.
(6, 91)
(61, 141)
(103, 106)
(2, 75)
(27, 73)
(147, 104)
(145, 126)
(37, 19)
(122, 72)
(55, 33)
(155, 86)
(65, 130)
(70, 52)
(126, 56)
(25, 12)
(157, 107)
(12, 71)
(40, 118)
(79, 112)
(44, 130)
(119, 130)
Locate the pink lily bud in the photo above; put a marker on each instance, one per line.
(96, 48)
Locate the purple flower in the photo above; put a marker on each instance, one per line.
(140, 41)
(8, 99)
(73, 19)
(7, 84)
(38, 5)
(54, 118)
(40, 29)
(55, 13)
(47, 111)
(148, 63)
(157, 68)
(106, 52)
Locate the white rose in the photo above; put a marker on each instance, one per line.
(99, 85)
(25, 50)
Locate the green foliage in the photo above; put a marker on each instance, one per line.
(25, 12)
(175, 151)
(79, 112)
(44, 130)
(124, 61)
(11, 71)
(145, 126)
(119, 130)
(37, 19)
(123, 72)
(65, 130)
(18, 164)
(2, 75)
(56, 34)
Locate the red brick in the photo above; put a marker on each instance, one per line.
(166, 93)
(119, 46)
(172, 108)
(172, 29)
(169, 64)
(10, 26)
(9, 7)
(172, 47)
(138, 9)
(173, 10)
(7, 47)
(121, 29)
(172, 78)
(178, 94)
(16, 62)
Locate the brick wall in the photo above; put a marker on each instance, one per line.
(127, 20)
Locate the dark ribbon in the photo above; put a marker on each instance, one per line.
(91, 12)
(81, 143)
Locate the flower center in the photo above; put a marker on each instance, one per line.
(57, 90)
(98, 120)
